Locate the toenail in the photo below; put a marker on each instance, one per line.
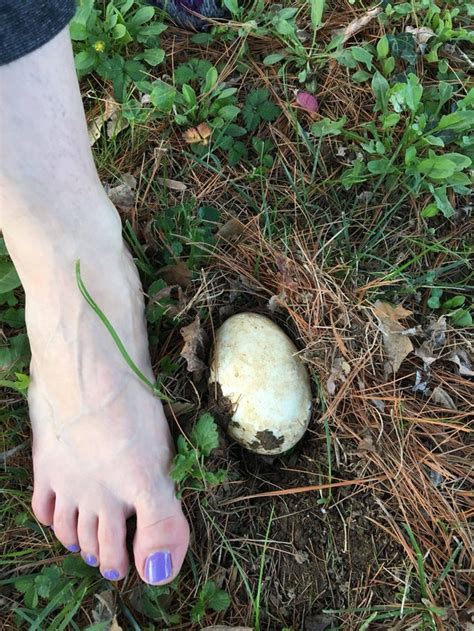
(111, 575)
(73, 548)
(90, 559)
(158, 567)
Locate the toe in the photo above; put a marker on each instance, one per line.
(88, 537)
(42, 504)
(65, 525)
(112, 544)
(160, 546)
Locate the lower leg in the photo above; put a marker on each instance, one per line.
(101, 445)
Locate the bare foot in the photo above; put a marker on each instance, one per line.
(101, 444)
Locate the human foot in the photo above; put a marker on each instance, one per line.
(101, 444)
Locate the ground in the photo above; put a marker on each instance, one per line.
(345, 219)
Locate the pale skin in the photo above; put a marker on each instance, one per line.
(102, 449)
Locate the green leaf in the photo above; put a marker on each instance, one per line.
(228, 112)
(380, 89)
(362, 55)
(457, 121)
(78, 32)
(153, 56)
(436, 167)
(434, 299)
(85, 60)
(360, 76)
(317, 9)
(379, 167)
(274, 58)
(328, 127)
(163, 96)
(211, 80)
(9, 279)
(462, 318)
(382, 48)
(232, 5)
(189, 95)
(390, 120)
(237, 152)
(205, 436)
(149, 31)
(143, 15)
(183, 465)
(119, 31)
(461, 161)
(454, 302)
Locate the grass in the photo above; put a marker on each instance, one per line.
(328, 214)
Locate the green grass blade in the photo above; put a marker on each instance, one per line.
(118, 342)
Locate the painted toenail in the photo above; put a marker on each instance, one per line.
(73, 548)
(111, 575)
(90, 559)
(158, 567)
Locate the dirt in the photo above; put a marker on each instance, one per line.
(317, 558)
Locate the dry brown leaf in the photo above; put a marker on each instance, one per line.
(198, 135)
(440, 396)
(123, 195)
(231, 228)
(339, 371)
(366, 445)
(358, 24)
(397, 343)
(178, 274)
(421, 36)
(386, 310)
(173, 185)
(94, 128)
(114, 626)
(194, 340)
(461, 359)
(438, 333)
(425, 352)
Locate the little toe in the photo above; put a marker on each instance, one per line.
(42, 504)
(112, 544)
(65, 525)
(160, 547)
(87, 524)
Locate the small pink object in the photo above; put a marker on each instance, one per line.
(307, 101)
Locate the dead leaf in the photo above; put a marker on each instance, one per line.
(9, 453)
(396, 341)
(440, 396)
(116, 124)
(173, 185)
(339, 371)
(386, 310)
(123, 195)
(178, 274)
(358, 24)
(276, 303)
(115, 625)
(194, 341)
(438, 333)
(178, 408)
(94, 128)
(301, 557)
(425, 352)
(199, 135)
(421, 35)
(366, 445)
(231, 228)
(461, 359)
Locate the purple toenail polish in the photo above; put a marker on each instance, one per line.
(73, 548)
(158, 567)
(90, 559)
(111, 575)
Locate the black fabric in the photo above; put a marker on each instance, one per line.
(25, 25)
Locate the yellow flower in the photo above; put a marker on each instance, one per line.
(99, 46)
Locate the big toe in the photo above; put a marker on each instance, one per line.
(160, 546)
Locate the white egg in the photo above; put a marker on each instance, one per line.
(264, 382)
